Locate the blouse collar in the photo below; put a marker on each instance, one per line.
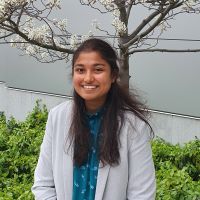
(98, 113)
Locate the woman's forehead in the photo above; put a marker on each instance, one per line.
(90, 57)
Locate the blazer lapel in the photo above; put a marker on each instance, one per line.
(68, 173)
(101, 181)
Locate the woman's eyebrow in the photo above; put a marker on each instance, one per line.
(78, 65)
(97, 64)
(94, 65)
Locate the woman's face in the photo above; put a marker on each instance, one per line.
(92, 79)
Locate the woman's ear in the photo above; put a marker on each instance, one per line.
(115, 75)
(113, 79)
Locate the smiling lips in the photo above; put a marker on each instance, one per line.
(89, 87)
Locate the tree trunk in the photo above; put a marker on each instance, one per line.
(124, 68)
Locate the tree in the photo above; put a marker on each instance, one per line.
(28, 25)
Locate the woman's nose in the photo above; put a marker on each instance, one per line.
(88, 77)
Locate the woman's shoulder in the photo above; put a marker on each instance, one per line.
(64, 107)
(132, 119)
(135, 125)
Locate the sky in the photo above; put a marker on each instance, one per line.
(168, 81)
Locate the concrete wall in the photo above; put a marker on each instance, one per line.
(3, 97)
(171, 127)
(18, 102)
(175, 128)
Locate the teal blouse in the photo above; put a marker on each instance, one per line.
(85, 176)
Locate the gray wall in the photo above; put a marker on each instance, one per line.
(175, 128)
(171, 127)
(18, 102)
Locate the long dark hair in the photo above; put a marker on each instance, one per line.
(117, 102)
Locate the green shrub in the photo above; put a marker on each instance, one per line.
(177, 167)
(177, 170)
(19, 149)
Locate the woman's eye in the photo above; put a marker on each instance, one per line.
(79, 70)
(98, 70)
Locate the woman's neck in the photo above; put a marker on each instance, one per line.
(93, 107)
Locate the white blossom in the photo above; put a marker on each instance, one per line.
(62, 46)
(120, 27)
(18, 42)
(39, 34)
(106, 2)
(3, 32)
(29, 22)
(54, 3)
(90, 33)
(141, 1)
(57, 43)
(6, 6)
(116, 13)
(3, 9)
(55, 21)
(190, 2)
(117, 23)
(30, 50)
(12, 43)
(44, 55)
(163, 27)
(62, 24)
(187, 5)
(95, 24)
(73, 41)
(84, 37)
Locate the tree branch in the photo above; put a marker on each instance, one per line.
(157, 22)
(20, 14)
(128, 11)
(143, 24)
(90, 4)
(5, 36)
(163, 12)
(164, 50)
(46, 46)
(34, 42)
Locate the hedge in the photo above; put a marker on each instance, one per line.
(177, 167)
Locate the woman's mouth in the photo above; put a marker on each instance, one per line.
(89, 87)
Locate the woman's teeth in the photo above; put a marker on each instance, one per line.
(89, 86)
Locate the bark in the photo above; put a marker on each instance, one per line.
(124, 68)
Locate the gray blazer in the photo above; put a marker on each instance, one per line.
(132, 179)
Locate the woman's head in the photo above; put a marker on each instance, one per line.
(95, 70)
(103, 48)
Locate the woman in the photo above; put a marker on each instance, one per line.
(96, 147)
